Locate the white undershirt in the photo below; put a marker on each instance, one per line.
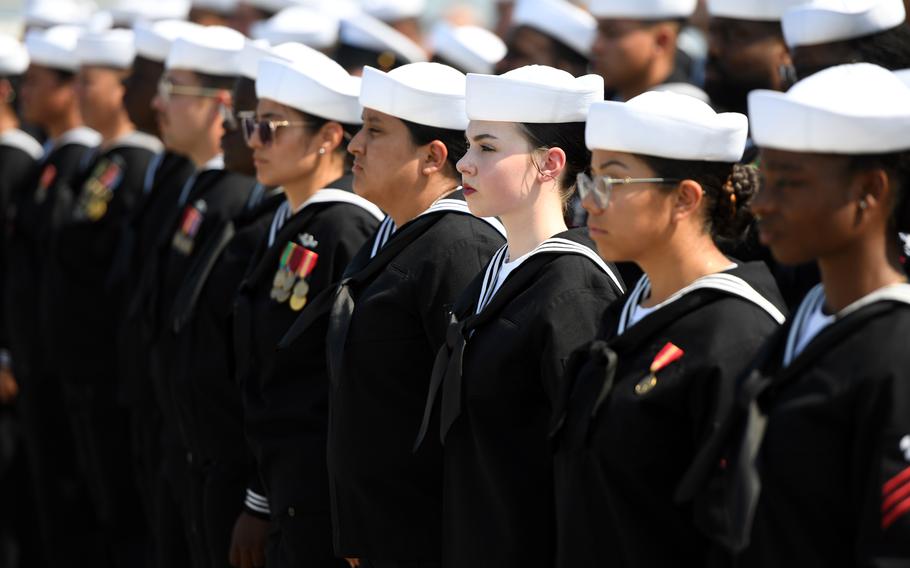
(507, 268)
(812, 326)
(639, 312)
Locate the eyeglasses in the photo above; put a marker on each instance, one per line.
(167, 89)
(264, 129)
(600, 188)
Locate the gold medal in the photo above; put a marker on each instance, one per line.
(95, 209)
(298, 300)
(645, 385)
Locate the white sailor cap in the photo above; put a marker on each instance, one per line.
(54, 47)
(829, 21)
(366, 32)
(667, 125)
(751, 10)
(13, 57)
(129, 12)
(154, 39)
(643, 9)
(48, 13)
(246, 61)
(209, 50)
(904, 75)
(558, 19)
(535, 93)
(315, 85)
(858, 108)
(426, 93)
(471, 49)
(272, 6)
(394, 10)
(225, 7)
(300, 24)
(108, 48)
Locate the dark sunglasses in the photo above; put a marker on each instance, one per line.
(264, 129)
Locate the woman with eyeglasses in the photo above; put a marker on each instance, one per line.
(646, 393)
(298, 136)
(538, 299)
(824, 416)
(389, 315)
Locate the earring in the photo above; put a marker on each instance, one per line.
(322, 151)
(863, 205)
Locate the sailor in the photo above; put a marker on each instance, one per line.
(821, 437)
(540, 298)
(364, 40)
(643, 396)
(746, 50)
(308, 109)
(549, 32)
(48, 100)
(636, 46)
(193, 99)
(389, 315)
(83, 305)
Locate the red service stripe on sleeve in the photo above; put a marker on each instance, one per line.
(896, 496)
(896, 481)
(897, 512)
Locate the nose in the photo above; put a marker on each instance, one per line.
(464, 166)
(355, 146)
(590, 205)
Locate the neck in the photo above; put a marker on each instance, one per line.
(203, 153)
(674, 265)
(8, 119)
(531, 226)
(300, 190)
(67, 122)
(858, 270)
(115, 129)
(656, 74)
(430, 190)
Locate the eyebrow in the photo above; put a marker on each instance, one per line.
(480, 137)
(609, 163)
(270, 115)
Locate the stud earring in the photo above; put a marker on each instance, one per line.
(322, 151)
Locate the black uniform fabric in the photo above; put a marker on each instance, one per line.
(59, 490)
(834, 464)
(285, 392)
(83, 320)
(623, 444)
(206, 396)
(387, 500)
(20, 164)
(216, 197)
(502, 369)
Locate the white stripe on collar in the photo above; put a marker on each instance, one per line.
(816, 297)
(136, 139)
(553, 245)
(724, 282)
(331, 195)
(459, 206)
(79, 135)
(383, 234)
(16, 138)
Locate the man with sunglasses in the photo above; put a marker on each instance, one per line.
(83, 305)
(193, 99)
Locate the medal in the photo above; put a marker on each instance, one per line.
(298, 299)
(667, 355)
(98, 190)
(185, 236)
(47, 178)
(294, 267)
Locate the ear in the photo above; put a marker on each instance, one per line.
(434, 156)
(330, 136)
(665, 36)
(688, 198)
(554, 162)
(874, 187)
(6, 90)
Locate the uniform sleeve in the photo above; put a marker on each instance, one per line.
(882, 471)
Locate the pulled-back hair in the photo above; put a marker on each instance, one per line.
(728, 190)
(568, 136)
(454, 141)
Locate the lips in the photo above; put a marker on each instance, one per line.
(468, 189)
